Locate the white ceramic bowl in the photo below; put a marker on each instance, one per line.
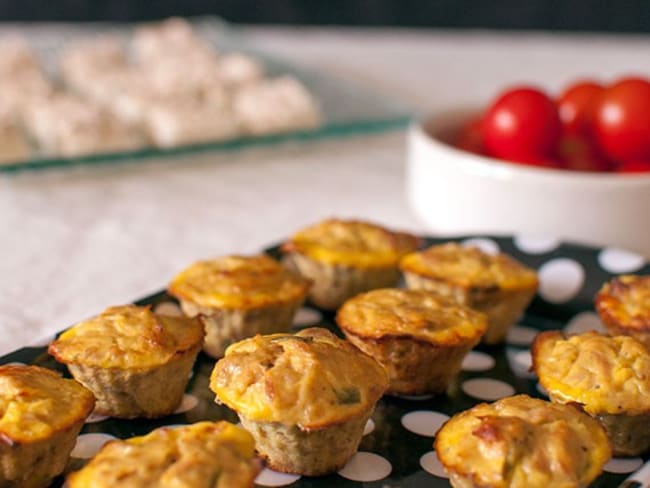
(457, 192)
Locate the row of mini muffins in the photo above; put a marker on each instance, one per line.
(345, 394)
(335, 260)
(41, 415)
(599, 386)
(306, 397)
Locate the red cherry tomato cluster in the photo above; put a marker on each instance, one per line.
(590, 127)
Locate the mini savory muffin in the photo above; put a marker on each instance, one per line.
(306, 397)
(522, 442)
(238, 297)
(609, 377)
(624, 306)
(497, 285)
(41, 415)
(201, 455)
(346, 257)
(135, 362)
(418, 336)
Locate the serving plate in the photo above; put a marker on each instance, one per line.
(396, 450)
(347, 109)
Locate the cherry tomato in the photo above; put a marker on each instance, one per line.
(470, 137)
(580, 154)
(634, 167)
(577, 107)
(523, 122)
(622, 122)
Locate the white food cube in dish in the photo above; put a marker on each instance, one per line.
(17, 58)
(237, 69)
(18, 93)
(275, 105)
(83, 61)
(174, 76)
(174, 36)
(13, 142)
(70, 126)
(170, 124)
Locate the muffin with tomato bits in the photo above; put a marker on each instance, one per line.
(609, 377)
(624, 306)
(419, 337)
(305, 398)
(522, 442)
(496, 285)
(238, 297)
(41, 415)
(136, 362)
(346, 257)
(205, 454)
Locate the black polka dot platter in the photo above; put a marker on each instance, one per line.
(397, 447)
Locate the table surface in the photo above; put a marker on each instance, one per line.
(77, 240)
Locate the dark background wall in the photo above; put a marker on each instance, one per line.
(580, 15)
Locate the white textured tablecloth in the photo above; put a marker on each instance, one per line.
(74, 241)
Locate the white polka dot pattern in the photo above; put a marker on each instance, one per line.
(584, 322)
(536, 244)
(617, 261)
(424, 422)
(488, 246)
(366, 466)
(478, 361)
(541, 389)
(623, 465)
(42, 342)
(520, 363)
(487, 388)
(521, 335)
(306, 317)
(432, 465)
(560, 280)
(268, 477)
(188, 403)
(168, 308)
(89, 444)
(369, 428)
(95, 418)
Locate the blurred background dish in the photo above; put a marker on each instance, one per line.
(454, 191)
(106, 92)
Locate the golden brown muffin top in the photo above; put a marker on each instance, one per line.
(418, 314)
(469, 267)
(523, 442)
(238, 282)
(36, 403)
(605, 374)
(311, 379)
(201, 455)
(127, 337)
(625, 302)
(351, 243)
